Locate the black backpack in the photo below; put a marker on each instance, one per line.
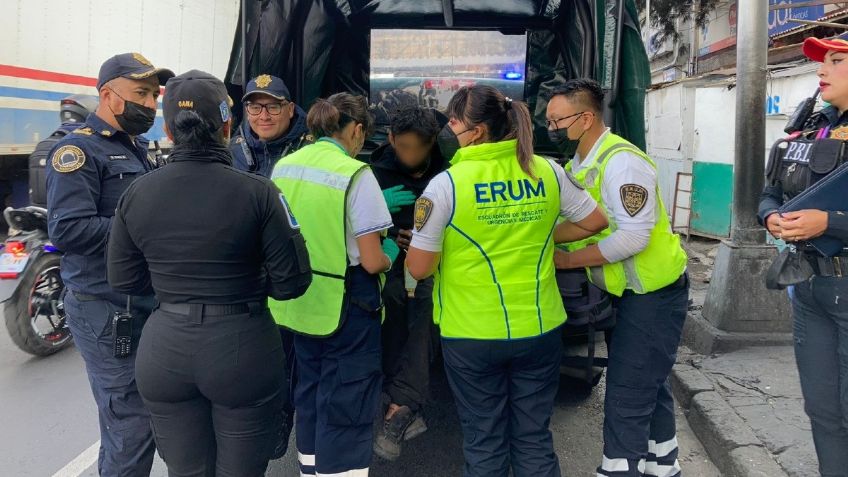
(37, 168)
(589, 310)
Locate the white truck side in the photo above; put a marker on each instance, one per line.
(54, 48)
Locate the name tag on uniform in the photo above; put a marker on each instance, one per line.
(118, 157)
(798, 151)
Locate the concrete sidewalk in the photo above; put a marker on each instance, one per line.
(744, 405)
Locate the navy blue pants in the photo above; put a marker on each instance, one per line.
(504, 393)
(126, 440)
(640, 436)
(338, 388)
(821, 350)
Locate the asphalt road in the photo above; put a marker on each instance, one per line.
(48, 426)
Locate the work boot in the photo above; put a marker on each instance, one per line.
(402, 426)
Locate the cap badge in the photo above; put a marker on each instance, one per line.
(263, 81)
(186, 104)
(141, 59)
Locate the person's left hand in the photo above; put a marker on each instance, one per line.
(562, 260)
(803, 225)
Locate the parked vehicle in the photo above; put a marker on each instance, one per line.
(30, 284)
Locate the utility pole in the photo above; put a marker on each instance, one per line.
(738, 305)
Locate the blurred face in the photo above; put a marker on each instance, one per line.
(563, 114)
(833, 75)
(269, 118)
(412, 150)
(144, 92)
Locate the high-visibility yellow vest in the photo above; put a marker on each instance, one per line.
(315, 181)
(660, 263)
(496, 276)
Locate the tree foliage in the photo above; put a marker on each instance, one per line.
(666, 13)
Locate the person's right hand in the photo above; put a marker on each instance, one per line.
(397, 197)
(773, 225)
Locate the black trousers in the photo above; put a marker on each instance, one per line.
(407, 342)
(504, 392)
(213, 387)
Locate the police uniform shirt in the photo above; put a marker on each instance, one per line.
(575, 205)
(87, 171)
(200, 231)
(367, 212)
(633, 227)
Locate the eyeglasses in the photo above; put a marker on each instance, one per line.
(552, 123)
(274, 109)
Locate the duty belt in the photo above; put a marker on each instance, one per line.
(197, 309)
(828, 266)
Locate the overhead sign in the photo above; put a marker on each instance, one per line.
(780, 21)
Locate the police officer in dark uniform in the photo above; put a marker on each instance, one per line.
(821, 321)
(72, 111)
(272, 127)
(403, 168)
(88, 171)
(214, 243)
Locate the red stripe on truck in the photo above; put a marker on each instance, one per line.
(29, 73)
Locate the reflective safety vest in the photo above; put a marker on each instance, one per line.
(660, 263)
(315, 181)
(496, 277)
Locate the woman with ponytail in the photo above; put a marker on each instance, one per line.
(486, 229)
(343, 217)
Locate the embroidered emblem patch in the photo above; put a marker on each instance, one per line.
(423, 209)
(292, 221)
(633, 198)
(68, 159)
(263, 81)
(840, 133)
(141, 59)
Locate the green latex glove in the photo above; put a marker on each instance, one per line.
(391, 249)
(397, 197)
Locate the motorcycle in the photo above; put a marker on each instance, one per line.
(30, 284)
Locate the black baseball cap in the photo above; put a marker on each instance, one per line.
(268, 85)
(132, 66)
(200, 92)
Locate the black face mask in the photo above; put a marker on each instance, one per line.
(448, 142)
(136, 118)
(560, 139)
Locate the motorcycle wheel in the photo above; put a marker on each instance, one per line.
(34, 315)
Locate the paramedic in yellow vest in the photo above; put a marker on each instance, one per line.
(486, 228)
(638, 260)
(342, 215)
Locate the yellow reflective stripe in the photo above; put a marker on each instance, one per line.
(311, 174)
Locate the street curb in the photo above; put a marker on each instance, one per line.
(730, 443)
(703, 337)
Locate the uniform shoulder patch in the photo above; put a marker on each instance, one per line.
(289, 215)
(574, 180)
(633, 198)
(423, 209)
(68, 159)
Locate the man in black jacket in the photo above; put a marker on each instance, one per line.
(404, 167)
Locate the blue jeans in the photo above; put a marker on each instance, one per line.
(126, 439)
(504, 392)
(820, 309)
